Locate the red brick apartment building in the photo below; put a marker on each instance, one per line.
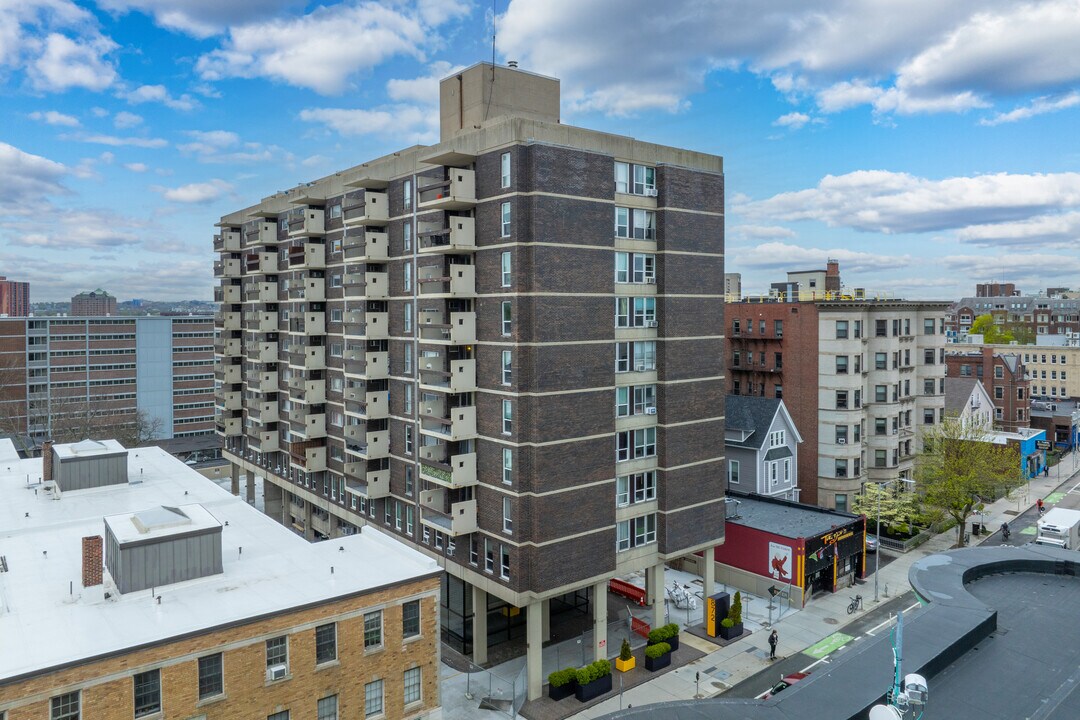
(1004, 377)
(14, 298)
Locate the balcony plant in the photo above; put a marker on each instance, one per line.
(626, 661)
(562, 683)
(657, 656)
(593, 680)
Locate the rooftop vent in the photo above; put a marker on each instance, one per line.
(162, 545)
(89, 464)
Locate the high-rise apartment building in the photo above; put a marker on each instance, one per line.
(133, 587)
(504, 349)
(94, 303)
(861, 378)
(14, 298)
(70, 378)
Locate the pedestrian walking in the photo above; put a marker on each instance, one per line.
(1046, 471)
(1039, 505)
(773, 640)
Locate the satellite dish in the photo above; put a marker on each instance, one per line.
(885, 712)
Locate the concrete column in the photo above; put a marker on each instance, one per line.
(534, 654)
(654, 587)
(273, 500)
(546, 632)
(309, 532)
(235, 469)
(708, 577)
(479, 626)
(599, 604)
(250, 488)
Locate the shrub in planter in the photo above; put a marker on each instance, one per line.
(626, 661)
(665, 634)
(735, 613)
(729, 629)
(657, 656)
(593, 680)
(562, 683)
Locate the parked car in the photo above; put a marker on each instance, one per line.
(871, 543)
(785, 683)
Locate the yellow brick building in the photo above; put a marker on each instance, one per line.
(1054, 371)
(275, 628)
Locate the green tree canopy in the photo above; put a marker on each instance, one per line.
(896, 503)
(960, 468)
(992, 334)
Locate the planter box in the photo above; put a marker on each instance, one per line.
(673, 641)
(730, 633)
(595, 689)
(563, 691)
(654, 664)
(625, 665)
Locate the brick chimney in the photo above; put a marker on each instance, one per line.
(92, 560)
(46, 461)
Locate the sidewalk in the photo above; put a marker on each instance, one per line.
(822, 617)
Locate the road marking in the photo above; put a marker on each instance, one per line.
(1055, 497)
(1030, 530)
(828, 646)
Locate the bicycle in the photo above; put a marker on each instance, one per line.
(855, 604)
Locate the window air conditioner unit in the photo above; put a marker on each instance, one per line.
(650, 281)
(650, 192)
(651, 324)
(841, 441)
(650, 411)
(277, 672)
(639, 368)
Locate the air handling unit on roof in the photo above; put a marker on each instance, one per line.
(162, 545)
(89, 464)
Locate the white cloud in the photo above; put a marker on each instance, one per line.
(793, 120)
(1061, 230)
(1038, 106)
(202, 18)
(226, 147)
(408, 122)
(65, 63)
(422, 90)
(326, 48)
(114, 141)
(195, 193)
(159, 94)
(76, 229)
(847, 94)
(27, 180)
(761, 231)
(136, 167)
(1040, 267)
(783, 256)
(124, 120)
(52, 117)
(889, 202)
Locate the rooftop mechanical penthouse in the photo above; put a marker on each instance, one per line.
(504, 349)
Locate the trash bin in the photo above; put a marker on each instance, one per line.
(976, 528)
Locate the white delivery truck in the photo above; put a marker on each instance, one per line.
(1059, 527)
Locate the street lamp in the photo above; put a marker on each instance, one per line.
(877, 552)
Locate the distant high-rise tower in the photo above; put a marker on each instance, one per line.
(14, 298)
(96, 302)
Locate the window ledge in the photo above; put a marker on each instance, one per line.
(211, 700)
(374, 650)
(268, 683)
(412, 639)
(327, 665)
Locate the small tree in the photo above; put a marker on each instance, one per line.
(960, 468)
(624, 652)
(895, 503)
(992, 333)
(735, 612)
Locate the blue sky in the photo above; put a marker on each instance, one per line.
(926, 145)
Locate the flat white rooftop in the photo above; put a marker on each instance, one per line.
(47, 619)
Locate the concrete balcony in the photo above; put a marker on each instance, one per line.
(310, 427)
(368, 246)
(229, 347)
(372, 484)
(376, 445)
(227, 241)
(371, 364)
(227, 374)
(311, 255)
(457, 235)
(309, 392)
(308, 357)
(263, 412)
(264, 441)
(311, 459)
(367, 404)
(261, 292)
(261, 263)
(461, 472)
(261, 321)
(228, 294)
(232, 400)
(461, 330)
(456, 424)
(228, 268)
(355, 432)
(260, 233)
(310, 290)
(229, 426)
(447, 376)
(435, 453)
(376, 326)
(309, 323)
(459, 281)
(228, 320)
(308, 224)
(371, 285)
(454, 519)
(456, 192)
(264, 382)
(263, 352)
(372, 209)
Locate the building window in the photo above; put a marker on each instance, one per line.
(881, 361)
(373, 698)
(409, 481)
(507, 417)
(504, 562)
(507, 318)
(622, 177)
(408, 355)
(841, 434)
(410, 619)
(507, 367)
(841, 329)
(841, 400)
(412, 676)
(325, 643)
(408, 435)
(407, 320)
(841, 364)
(147, 693)
(506, 219)
(408, 399)
(277, 651)
(327, 708)
(283, 715)
(506, 268)
(508, 518)
(644, 180)
(644, 224)
(635, 532)
(406, 279)
(928, 326)
(928, 357)
(928, 416)
(489, 556)
(211, 676)
(508, 466)
(881, 328)
(778, 328)
(406, 236)
(879, 458)
(733, 472)
(622, 222)
(406, 195)
(373, 630)
(841, 502)
(841, 468)
(63, 707)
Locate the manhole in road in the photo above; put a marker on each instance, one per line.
(832, 621)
